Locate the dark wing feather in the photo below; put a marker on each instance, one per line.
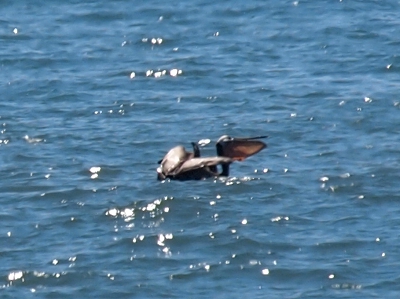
(242, 149)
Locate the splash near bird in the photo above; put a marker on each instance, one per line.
(178, 164)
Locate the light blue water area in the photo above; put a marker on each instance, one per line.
(94, 93)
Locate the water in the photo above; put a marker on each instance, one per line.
(314, 215)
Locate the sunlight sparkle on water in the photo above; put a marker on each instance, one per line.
(254, 262)
(127, 212)
(155, 40)
(110, 276)
(279, 218)
(161, 239)
(151, 207)
(15, 275)
(157, 74)
(204, 142)
(367, 100)
(32, 139)
(140, 238)
(113, 212)
(265, 271)
(95, 169)
(175, 72)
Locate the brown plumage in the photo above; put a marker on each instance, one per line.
(178, 164)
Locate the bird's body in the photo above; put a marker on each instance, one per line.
(179, 164)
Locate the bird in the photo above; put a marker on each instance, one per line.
(178, 164)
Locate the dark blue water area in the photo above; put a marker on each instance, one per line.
(94, 93)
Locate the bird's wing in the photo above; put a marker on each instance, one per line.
(196, 163)
(242, 149)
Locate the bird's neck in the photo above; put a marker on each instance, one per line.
(225, 170)
(225, 167)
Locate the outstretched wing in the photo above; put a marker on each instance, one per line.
(196, 163)
(239, 149)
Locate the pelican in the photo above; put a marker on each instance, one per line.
(178, 164)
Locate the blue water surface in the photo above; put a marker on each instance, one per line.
(94, 93)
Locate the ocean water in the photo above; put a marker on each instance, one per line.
(94, 93)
